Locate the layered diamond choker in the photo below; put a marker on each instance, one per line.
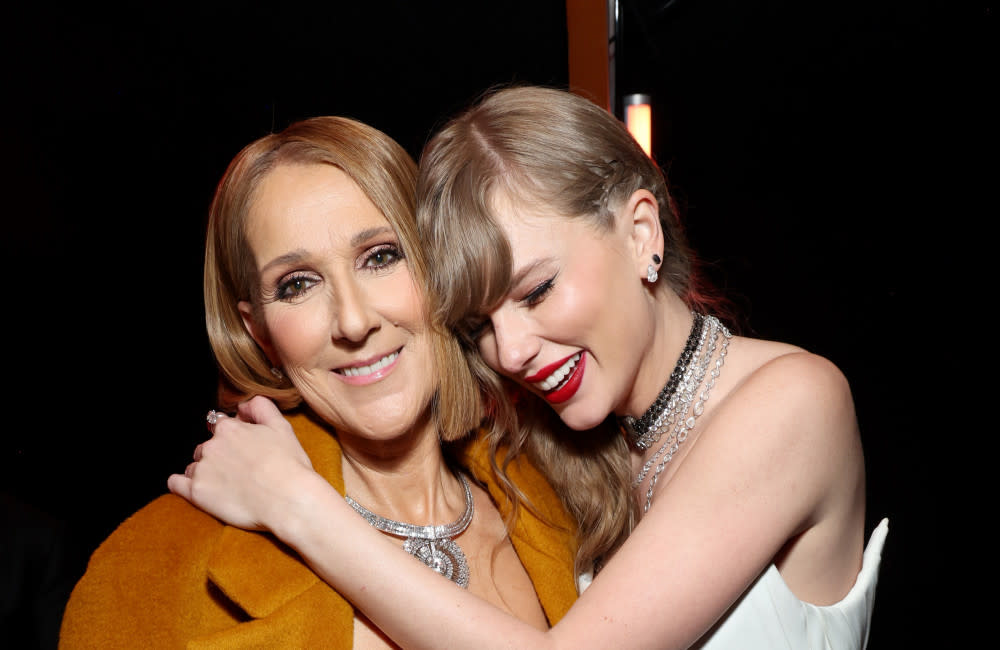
(432, 545)
(646, 430)
(670, 410)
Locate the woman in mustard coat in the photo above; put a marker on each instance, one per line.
(315, 299)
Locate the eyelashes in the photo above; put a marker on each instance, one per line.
(295, 285)
(292, 286)
(381, 257)
(475, 327)
(538, 294)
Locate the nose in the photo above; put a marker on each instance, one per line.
(354, 317)
(515, 344)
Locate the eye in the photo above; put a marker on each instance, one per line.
(294, 286)
(381, 257)
(475, 329)
(538, 294)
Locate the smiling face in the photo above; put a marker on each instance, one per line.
(575, 324)
(338, 309)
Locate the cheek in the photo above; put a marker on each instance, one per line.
(579, 307)
(488, 351)
(396, 299)
(299, 333)
(598, 310)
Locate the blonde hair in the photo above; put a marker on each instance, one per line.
(387, 175)
(547, 146)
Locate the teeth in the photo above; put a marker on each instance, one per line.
(559, 375)
(361, 371)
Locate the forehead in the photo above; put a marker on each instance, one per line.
(534, 228)
(308, 206)
(523, 216)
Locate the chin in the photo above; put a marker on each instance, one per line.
(582, 419)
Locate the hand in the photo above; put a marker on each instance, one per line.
(246, 472)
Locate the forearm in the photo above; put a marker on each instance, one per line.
(414, 606)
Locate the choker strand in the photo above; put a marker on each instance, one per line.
(678, 407)
(684, 399)
(644, 431)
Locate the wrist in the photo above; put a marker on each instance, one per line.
(312, 495)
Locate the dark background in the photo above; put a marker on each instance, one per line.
(831, 161)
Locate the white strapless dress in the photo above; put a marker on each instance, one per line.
(770, 617)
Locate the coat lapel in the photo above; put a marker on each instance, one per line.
(272, 584)
(545, 542)
(257, 571)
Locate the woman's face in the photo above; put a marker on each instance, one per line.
(339, 311)
(573, 327)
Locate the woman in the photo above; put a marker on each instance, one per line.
(313, 297)
(551, 231)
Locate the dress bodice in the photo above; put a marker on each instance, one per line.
(770, 617)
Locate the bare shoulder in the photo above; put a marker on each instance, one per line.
(806, 383)
(805, 435)
(793, 404)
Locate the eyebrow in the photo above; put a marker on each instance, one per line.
(368, 233)
(298, 254)
(287, 258)
(527, 270)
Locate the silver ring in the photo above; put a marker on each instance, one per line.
(212, 417)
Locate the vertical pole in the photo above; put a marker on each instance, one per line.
(588, 29)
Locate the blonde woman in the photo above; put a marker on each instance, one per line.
(717, 481)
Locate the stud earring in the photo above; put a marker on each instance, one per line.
(277, 374)
(651, 273)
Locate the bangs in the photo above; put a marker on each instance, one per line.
(468, 252)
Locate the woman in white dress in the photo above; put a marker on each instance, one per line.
(722, 503)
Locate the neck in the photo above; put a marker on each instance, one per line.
(405, 478)
(671, 325)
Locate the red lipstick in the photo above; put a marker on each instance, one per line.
(571, 385)
(548, 370)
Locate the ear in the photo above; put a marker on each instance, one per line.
(641, 216)
(257, 331)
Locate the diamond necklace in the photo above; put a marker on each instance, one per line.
(677, 407)
(646, 430)
(432, 545)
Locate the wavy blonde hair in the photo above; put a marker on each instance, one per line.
(387, 175)
(538, 145)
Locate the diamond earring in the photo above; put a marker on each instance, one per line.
(651, 273)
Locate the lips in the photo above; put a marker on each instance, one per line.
(369, 371)
(559, 381)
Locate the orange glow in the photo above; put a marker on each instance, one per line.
(638, 119)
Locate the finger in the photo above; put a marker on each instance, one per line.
(180, 485)
(212, 418)
(259, 410)
(198, 452)
(189, 470)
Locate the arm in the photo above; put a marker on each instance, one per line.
(759, 475)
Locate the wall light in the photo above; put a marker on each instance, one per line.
(639, 120)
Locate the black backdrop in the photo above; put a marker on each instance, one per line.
(821, 155)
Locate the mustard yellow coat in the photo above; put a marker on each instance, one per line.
(172, 576)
